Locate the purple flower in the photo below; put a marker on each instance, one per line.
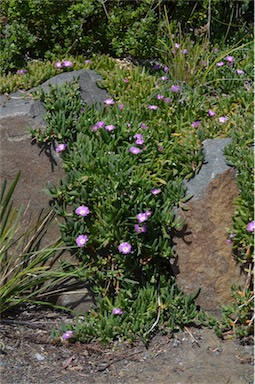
(173, 51)
(81, 240)
(82, 211)
(211, 113)
(155, 191)
(165, 69)
(139, 139)
(219, 64)
(230, 59)
(168, 100)
(21, 71)
(124, 248)
(143, 216)
(239, 71)
(58, 65)
(126, 80)
(140, 229)
(251, 226)
(185, 51)
(215, 50)
(231, 235)
(61, 147)
(87, 61)
(177, 45)
(164, 78)
(67, 335)
(156, 66)
(160, 148)
(100, 124)
(134, 150)
(153, 107)
(196, 124)
(121, 106)
(109, 102)
(110, 128)
(144, 126)
(223, 119)
(175, 88)
(67, 63)
(117, 311)
(159, 97)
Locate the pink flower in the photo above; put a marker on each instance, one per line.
(168, 100)
(251, 226)
(219, 64)
(239, 71)
(139, 139)
(165, 69)
(109, 102)
(177, 45)
(223, 119)
(155, 191)
(21, 71)
(110, 128)
(87, 61)
(144, 126)
(159, 97)
(124, 248)
(67, 335)
(135, 150)
(117, 311)
(100, 124)
(82, 240)
(164, 78)
(143, 216)
(140, 229)
(121, 106)
(67, 63)
(215, 50)
(82, 211)
(61, 147)
(230, 59)
(175, 88)
(196, 124)
(58, 65)
(211, 113)
(153, 107)
(126, 80)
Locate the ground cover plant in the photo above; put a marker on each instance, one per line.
(125, 164)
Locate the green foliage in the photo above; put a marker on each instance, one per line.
(49, 28)
(144, 312)
(27, 275)
(240, 155)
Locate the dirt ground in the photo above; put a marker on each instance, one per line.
(28, 355)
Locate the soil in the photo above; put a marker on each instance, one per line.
(29, 355)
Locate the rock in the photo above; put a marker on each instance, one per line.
(18, 112)
(204, 257)
(79, 300)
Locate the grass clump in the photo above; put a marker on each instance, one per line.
(29, 272)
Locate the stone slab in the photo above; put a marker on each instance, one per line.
(204, 257)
